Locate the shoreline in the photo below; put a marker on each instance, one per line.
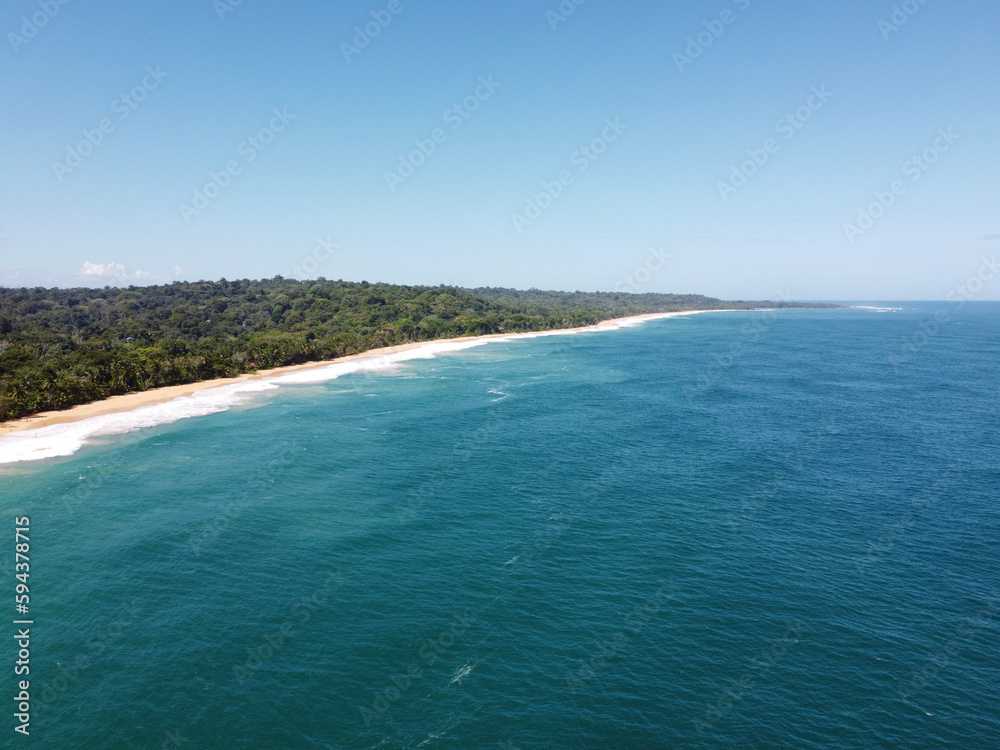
(131, 401)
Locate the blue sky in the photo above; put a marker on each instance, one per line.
(675, 175)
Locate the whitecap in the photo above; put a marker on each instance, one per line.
(461, 673)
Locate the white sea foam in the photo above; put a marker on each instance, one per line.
(876, 309)
(461, 674)
(67, 439)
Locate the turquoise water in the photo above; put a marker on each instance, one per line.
(728, 530)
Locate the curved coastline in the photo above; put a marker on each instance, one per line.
(33, 437)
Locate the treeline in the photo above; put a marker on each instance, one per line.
(61, 347)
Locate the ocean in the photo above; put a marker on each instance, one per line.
(739, 529)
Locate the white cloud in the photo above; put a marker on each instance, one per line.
(116, 271)
(110, 271)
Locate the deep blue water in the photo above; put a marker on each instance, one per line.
(731, 530)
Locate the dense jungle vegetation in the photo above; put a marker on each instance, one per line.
(61, 347)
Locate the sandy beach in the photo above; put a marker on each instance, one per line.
(130, 401)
